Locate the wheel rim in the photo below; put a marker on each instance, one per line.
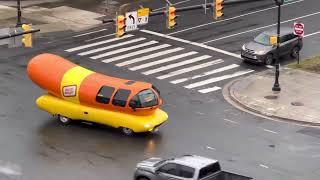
(127, 131)
(295, 52)
(269, 60)
(64, 119)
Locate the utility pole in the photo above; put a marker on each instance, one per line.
(19, 23)
(276, 86)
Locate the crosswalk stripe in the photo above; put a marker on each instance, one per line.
(163, 68)
(139, 59)
(92, 32)
(111, 46)
(192, 68)
(177, 81)
(97, 43)
(163, 61)
(216, 79)
(123, 50)
(215, 88)
(136, 53)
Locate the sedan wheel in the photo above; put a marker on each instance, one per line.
(64, 120)
(127, 131)
(269, 59)
(295, 52)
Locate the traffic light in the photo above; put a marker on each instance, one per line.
(27, 38)
(120, 25)
(219, 8)
(172, 17)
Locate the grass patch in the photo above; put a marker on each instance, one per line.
(310, 64)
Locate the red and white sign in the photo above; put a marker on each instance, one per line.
(69, 91)
(298, 29)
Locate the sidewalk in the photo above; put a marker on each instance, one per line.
(298, 101)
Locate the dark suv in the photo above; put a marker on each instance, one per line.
(261, 51)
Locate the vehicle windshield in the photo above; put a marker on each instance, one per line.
(145, 98)
(262, 39)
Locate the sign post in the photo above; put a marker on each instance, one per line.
(131, 21)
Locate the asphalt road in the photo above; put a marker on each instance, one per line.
(35, 146)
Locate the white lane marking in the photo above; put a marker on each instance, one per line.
(10, 169)
(205, 74)
(234, 122)
(267, 130)
(269, 66)
(92, 32)
(100, 37)
(97, 43)
(215, 88)
(163, 68)
(172, 4)
(188, 69)
(216, 79)
(312, 34)
(125, 63)
(123, 50)
(232, 18)
(111, 46)
(193, 43)
(264, 166)
(263, 27)
(136, 53)
(172, 58)
(211, 148)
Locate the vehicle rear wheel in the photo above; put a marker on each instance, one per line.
(143, 178)
(127, 131)
(269, 59)
(295, 52)
(64, 120)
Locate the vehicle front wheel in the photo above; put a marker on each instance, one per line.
(295, 52)
(127, 131)
(269, 59)
(64, 120)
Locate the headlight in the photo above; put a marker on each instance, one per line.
(147, 126)
(260, 52)
(244, 47)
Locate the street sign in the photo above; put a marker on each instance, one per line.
(131, 21)
(143, 16)
(298, 29)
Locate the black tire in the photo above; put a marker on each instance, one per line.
(64, 120)
(269, 59)
(143, 178)
(127, 131)
(295, 52)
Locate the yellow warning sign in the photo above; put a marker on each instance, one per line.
(143, 12)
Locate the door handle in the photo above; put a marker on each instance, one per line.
(85, 112)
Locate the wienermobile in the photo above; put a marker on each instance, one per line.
(76, 93)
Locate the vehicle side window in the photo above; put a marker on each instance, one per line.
(209, 170)
(104, 94)
(121, 97)
(186, 172)
(287, 37)
(170, 168)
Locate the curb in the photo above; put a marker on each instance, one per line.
(228, 93)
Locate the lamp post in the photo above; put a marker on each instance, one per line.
(19, 23)
(276, 86)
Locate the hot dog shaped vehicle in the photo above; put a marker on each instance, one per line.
(76, 93)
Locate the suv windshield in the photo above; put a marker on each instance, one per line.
(145, 98)
(262, 39)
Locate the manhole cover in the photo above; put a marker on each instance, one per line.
(271, 97)
(297, 104)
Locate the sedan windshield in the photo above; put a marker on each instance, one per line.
(262, 39)
(145, 98)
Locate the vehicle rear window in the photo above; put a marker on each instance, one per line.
(209, 170)
(104, 94)
(121, 97)
(186, 172)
